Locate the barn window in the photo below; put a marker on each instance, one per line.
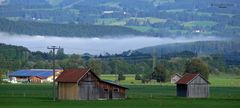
(116, 89)
(106, 90)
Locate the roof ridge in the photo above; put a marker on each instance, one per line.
(72, 75)
(196, 74)
(186, 78)
(83, 74)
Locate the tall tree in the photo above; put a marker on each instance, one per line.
(160, 73)
(60, 54)
(96, 66)
(197, 65)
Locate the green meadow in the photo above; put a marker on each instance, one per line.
(224, 92)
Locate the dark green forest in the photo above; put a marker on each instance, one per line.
(71, 30)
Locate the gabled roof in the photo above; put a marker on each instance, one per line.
(72, 75)
(75, 75)
(188, 77)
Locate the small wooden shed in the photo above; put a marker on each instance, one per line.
(84, 84)
(193, 85)
(175, 77)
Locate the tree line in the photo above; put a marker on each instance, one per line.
(15, 57)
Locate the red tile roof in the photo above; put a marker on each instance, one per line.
(187, 78)
(71, 75)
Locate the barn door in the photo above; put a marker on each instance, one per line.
(88, 91)
(181, 90)
(83, 92)
(92, 91)
(110, 94)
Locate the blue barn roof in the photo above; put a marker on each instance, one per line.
(32, 72)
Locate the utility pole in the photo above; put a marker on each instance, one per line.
(116, 69)
(154, 59)
(53, 48)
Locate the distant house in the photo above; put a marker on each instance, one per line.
(175, 78)
(34, 75)
(193, 85)
(84, 84)
(36, 79)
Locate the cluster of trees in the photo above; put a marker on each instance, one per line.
(161, 73)
(14, 58)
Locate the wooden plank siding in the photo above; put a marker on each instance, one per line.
(68, 91)
(198, 88)
(74, 85)
(193, 85)
(108, 91)
(88, 89)
(198, 91)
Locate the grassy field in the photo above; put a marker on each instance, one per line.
(117, 22)
(224, 93)
(221, 80)
(199, 23)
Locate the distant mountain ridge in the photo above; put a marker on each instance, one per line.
(65, 30)
(201, 47)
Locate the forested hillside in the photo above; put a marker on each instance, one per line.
(12, 57)
(228, 49)
(155, 17)
(201, 47)
(71, 30)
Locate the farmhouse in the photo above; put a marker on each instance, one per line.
(175, 78)
(34, 75)
(84, 84)
(193, 85)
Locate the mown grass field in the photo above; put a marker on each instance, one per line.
(221, 80)
(223, 94)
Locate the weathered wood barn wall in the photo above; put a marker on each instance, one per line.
(83, 84)
(193, 85)
(68, 91)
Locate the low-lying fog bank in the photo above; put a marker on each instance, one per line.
(94, 45)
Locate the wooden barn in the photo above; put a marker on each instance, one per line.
(175, 78)
(84, 84)
(193, 85)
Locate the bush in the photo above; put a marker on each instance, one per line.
(138, 77)
(121, 77)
